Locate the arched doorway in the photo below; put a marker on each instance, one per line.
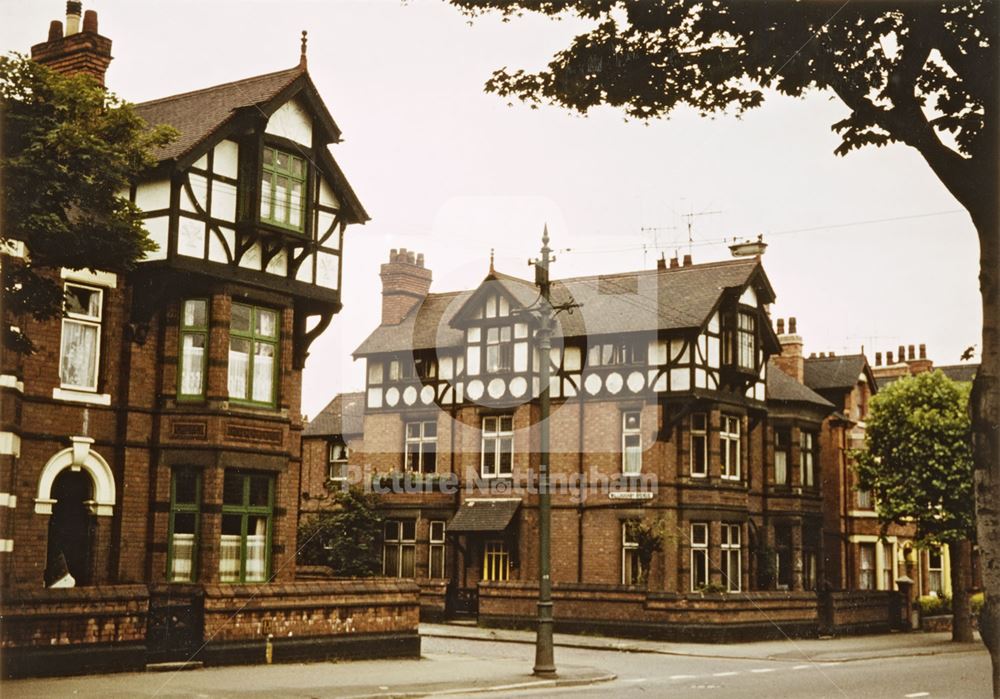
(71, 529)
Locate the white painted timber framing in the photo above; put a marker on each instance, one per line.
(291, 121)
(326, 195)
(158, 229)
(227, 158)
(151, 196)
(190, 237)
(749, 297)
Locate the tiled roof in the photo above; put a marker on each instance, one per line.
(198, 114)
(484, 515)
(648, 300)
(783, 388)
(834, 372)
(344, 415)
(960, 372)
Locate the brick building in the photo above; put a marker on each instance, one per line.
(154, 438)
(670, 407)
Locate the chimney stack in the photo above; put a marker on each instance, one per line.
(911, 352)
(405, 284)
(687, 261)
(77, 51)
(661, 263)
(791, 360)
(674, 262)
(878, 359)
(901, 357)
(888, 358)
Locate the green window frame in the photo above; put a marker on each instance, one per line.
(193, 350)
(254, 339)
(247, 525)
(185, 524)
(282, 189)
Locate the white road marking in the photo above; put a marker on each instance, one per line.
(917, 694)
(763, 669)
(683, 677)
(725, 674)
(802, 667)
(636, 679)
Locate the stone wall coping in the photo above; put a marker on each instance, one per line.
(95, 593)
(306, 588)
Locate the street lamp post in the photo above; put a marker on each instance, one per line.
(544, 657)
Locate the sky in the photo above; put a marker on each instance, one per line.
(865, 250)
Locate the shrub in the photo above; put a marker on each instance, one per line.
(933, 606)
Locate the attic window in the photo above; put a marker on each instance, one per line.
(740, 341)
(282, 181)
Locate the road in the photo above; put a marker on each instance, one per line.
(889, 667)
(963, 675)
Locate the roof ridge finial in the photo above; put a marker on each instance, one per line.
(302, 54)
(491, 261)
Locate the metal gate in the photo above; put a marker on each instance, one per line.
(176, 623)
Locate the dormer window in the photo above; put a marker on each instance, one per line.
(740, 341)
(499, 349)
(282, 183)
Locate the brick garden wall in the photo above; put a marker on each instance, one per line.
(75, 630)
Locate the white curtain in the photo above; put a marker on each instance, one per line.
(193, 376)
(239, 362)
(257, 551)
(229, 558)
(79, 355)
(182, 558)
(263, 373)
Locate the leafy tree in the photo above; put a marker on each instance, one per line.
(346, 537)
(919, 73)
(918, 464)
(70, 151)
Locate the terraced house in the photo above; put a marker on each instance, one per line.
(672, 423)
(150, 450)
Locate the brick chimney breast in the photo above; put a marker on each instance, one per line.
(791, 360)
(77, 51)
(405, 283)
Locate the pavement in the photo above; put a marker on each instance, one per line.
(833, 649)
(434, 674)
(449, 668)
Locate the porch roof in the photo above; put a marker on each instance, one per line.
(484, 515)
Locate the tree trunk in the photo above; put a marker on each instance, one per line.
(960, 553)
(985, 409)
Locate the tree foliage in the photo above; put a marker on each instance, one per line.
(69, 153)
(346, 537)
(918, 459)
(908, 71)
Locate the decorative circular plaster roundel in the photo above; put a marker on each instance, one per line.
(593, 384)
(495, 388)
(392, 397)
(518, 386)
(614, 382)
(410, 395)
(427, 395)
(635, 381)
(475, 389)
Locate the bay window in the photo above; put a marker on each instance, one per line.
(247, 509)
(740, 341)
(699, 445)
(631, 442)
(807, 459)
(253, 353)
(194, 341)
(731, 557)
(399, 544)
(421, 447)
(498, 446)
(182, 535)
(729, 444)
(782, 446)
(282, 185)
(699, 555)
